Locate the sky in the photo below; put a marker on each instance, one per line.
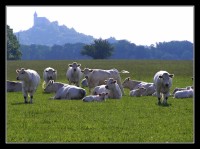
(142, 25)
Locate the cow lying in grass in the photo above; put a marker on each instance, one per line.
(99, 97)
(137, 92)
(113, 87)
(65, 91)
(134, 84)
(13, 86)
(187, 93)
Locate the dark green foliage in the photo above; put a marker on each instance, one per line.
(100, 49)
(174, 50)
(13, 52)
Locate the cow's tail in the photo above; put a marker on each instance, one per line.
(44, 85)
(124, 71)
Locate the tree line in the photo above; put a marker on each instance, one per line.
(99, 49)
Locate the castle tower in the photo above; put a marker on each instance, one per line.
(35, 18)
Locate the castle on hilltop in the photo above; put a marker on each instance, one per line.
(39, 21)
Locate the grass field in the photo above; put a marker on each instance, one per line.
(129, 120)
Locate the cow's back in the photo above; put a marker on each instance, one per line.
(34, 77)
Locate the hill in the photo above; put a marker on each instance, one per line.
(49, 33)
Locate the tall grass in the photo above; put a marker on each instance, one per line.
(131, 119)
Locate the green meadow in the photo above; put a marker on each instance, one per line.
(128, 120)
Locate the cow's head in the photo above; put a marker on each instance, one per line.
(126, 82)
(49, 86)
(21, 74)
(51, 73)
(110, 83)
(103, 95)
(166, 78)
(74, 65)
(87, 72)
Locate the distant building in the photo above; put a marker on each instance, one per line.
(40, 21)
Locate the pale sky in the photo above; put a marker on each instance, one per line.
(142, 25)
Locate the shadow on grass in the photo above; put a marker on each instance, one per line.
(20, 103)
(163, 105)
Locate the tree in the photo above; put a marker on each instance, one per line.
(13, 52)
(100, 49)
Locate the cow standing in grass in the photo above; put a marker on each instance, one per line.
(74, 74)
(30, 81)
(49, 74)
(163, 83)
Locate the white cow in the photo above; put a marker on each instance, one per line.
(99, 97)
(49, 74)
(30, 80)
(137, 92)
(53, 86)
(84, 83)
(188, 93)
(163, 82)
(100, 89)
(97, 77)
(131, 84)
(180, 89)
(65, 91)
(13, 86)
(74, 74)
(134, 84)
(115, 91)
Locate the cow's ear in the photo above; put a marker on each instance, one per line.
(171, 75)
(17, 70)
(70, 65)
(115, 81)
(105, 81)
(79, 65)
(46, 70)
(160, 76)
(55, 71)
(91, 70)
(128, 78)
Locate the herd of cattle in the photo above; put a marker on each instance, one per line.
(102, 84)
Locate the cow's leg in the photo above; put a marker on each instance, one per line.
(25, 93)
(165, 98)
(159, 96)
(31, 96)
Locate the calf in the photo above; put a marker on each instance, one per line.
(137, 92)
(100, 89)
(99, 97)
(30, 80)
(163, 83)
